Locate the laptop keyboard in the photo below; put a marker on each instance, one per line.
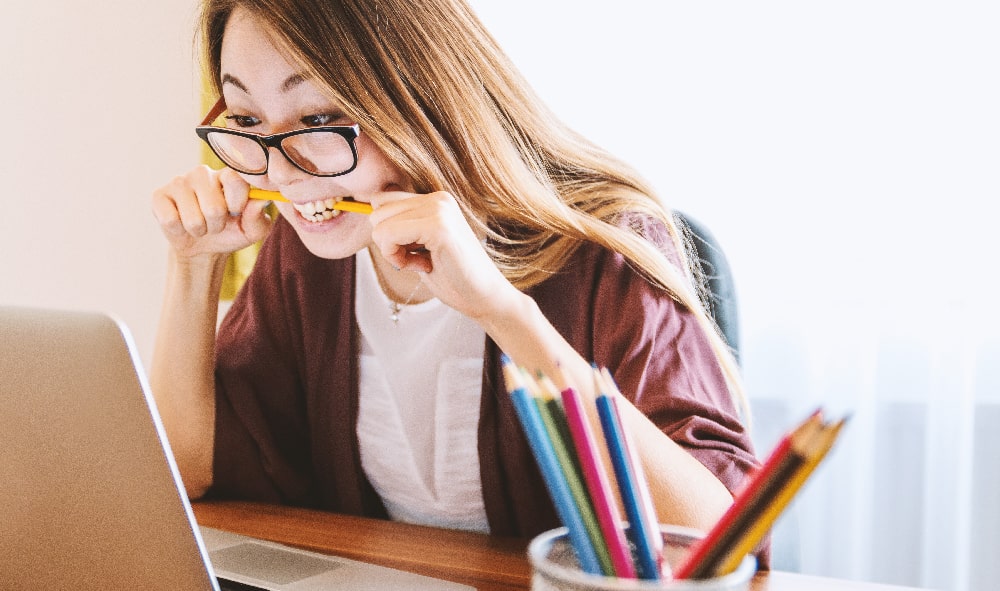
(227, 585)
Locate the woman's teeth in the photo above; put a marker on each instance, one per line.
(318, 211)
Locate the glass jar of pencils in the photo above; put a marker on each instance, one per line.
(555, 567)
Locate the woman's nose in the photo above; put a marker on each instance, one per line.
(280, 169)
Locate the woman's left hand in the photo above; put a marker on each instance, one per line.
(428, 233)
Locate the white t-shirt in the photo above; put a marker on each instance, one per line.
(421, 383)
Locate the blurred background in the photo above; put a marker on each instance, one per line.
(845, 155)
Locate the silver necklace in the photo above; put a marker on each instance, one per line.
(395, 307)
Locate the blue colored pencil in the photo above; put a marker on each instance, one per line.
(548, 464)
(633, 489)
(648, 509)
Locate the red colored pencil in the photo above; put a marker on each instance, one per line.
(780, 465)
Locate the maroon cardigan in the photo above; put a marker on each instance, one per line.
(287, 384)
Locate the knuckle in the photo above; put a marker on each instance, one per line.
(196, 228)
(215, 211)
(173, 227)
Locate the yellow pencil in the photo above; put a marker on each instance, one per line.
(343, 205)
(815, 451)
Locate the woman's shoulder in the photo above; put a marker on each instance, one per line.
(595, 272)
(656, 231)
(593, 257)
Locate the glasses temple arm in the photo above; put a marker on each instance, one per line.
(217, 109)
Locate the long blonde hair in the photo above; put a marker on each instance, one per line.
(430, 86)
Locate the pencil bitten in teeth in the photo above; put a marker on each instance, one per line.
(318, 211)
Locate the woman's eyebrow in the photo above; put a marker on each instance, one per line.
(290, 83)
(230, 79)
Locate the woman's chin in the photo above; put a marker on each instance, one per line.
(333, 239)
(329, 247)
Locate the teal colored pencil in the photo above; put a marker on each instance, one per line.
(555, 480)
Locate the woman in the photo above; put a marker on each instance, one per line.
(358, 370)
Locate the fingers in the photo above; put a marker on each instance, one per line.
(456, 266)
(235, 191)
(190, 204)
(422, 232)
(401, 225)
(172, 209)
(413, 257)
(255, 221)
(207, 211)
(384, 198)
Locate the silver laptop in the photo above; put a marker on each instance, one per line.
(91, 498)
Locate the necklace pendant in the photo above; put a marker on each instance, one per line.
(394, 309)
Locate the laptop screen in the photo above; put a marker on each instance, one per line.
(91, 498)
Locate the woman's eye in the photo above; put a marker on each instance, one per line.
(320, 120)
(243, 120)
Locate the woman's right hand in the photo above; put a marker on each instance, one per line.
(208, 212)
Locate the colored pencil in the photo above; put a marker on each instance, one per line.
(554, 419)
(705, 554)
(596, 478)
(568, 450)
(528, 414)
(649, 511)
(647, 540)
(740, 529)
(342, 205)
(816, 449)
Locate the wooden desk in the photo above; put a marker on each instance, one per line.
(485, 562)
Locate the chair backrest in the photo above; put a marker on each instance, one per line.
(722, 305)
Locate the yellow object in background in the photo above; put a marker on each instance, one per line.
(238, 268)
(241, 262)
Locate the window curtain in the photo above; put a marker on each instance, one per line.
(911, 493)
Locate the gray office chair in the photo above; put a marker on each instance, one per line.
(722, 307)
(714, 268)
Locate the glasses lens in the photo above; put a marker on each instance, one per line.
(239, 153)
(319, 152)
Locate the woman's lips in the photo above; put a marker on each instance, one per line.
(318, 211)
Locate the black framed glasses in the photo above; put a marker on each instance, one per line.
(319, 151)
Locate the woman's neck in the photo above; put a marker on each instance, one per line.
(402, 287)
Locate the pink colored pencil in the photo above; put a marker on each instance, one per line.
(598, 484)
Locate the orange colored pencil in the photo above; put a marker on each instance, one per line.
(816, 450)
(704, 557)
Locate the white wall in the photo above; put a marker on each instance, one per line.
(824, 142)
(99, 103)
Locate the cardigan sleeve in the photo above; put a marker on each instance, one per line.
(661, 359)
(660, 356)
(658, 353)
